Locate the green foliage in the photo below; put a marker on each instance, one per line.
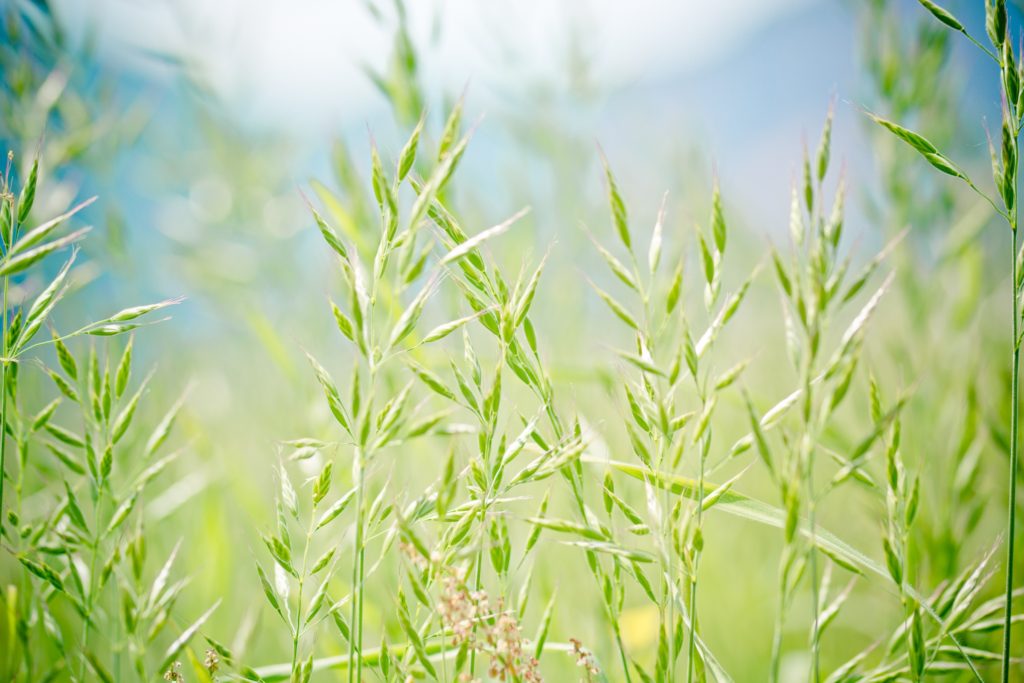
(467, 503)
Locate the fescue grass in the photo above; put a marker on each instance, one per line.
(1004, 171)
(82, 545)
(462, 512)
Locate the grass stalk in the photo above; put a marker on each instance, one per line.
(1011, 139)
(303, 575)
(1011, 512)
(622, 650)
(91, 598)
(8, 241)
(668, 604)
(692, 646)
(3, 408)
(355, 642)
(478, 580)
(1012, 123)
(780, 617)
(813, 561)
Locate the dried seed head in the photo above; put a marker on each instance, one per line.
(174, 673)
(584, 658)
(485, 626)
(212, 661)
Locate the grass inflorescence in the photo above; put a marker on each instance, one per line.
(460, 508)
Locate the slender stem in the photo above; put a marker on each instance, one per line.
(808, 446)
(297, 632)
(355, 641)
(780, 617)
(668, 604)
(1011, 511)
(1013, 118)
(692, 643)
(815, 666)
(3, 408)
(690, 668)
(90, 601)
(477, 581)
(362, 576)
(620, 646)
(622, 649)
(577, 490)
(117, 637)
(982, 47)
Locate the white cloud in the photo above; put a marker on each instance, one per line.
(300, 60)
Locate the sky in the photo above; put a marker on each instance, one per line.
(300, 63)
(676, 93)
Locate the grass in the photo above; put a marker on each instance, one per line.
(730, 489)
(98, 490)
(1004, 169)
